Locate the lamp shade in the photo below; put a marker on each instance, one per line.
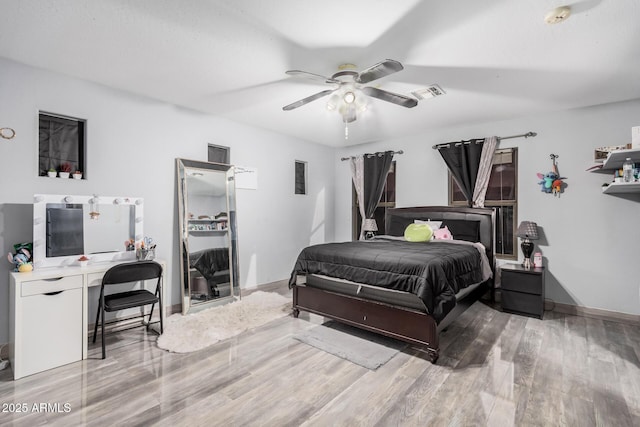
(369, 224)
(528, 230)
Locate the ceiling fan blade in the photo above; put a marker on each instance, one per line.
(308, 99)
(394, 98)
(381, 69)
(316, 77)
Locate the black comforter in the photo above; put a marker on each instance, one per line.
(434, 271)
(210, 261)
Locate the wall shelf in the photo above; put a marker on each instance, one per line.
(622, 187)
(207, 232)
(616, 158)
(614, 161)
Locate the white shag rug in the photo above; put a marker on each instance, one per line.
(192, 332)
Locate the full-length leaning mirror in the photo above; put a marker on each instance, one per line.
(208, 234)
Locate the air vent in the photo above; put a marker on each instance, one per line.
(428, 92)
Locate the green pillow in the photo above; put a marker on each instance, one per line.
(418, 233)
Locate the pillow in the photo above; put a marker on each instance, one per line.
(442, 234)
(463, 230)
(418, 233)
(433, 224)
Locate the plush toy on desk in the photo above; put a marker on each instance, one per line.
(552, 181)
(21, 260)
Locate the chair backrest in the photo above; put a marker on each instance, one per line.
(132, 272)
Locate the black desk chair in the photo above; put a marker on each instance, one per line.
(125, 273)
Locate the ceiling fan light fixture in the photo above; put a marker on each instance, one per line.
(349, 97)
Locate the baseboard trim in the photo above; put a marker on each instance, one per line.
(278, 285)
(595, 313)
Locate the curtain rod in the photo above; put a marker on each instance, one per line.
(500, 138)
(379, 153)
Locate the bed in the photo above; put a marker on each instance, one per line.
(408, 291)
(213, 268)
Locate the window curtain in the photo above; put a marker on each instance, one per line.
(369, 173)
(464, 160)
(357, 175)
(484, 171)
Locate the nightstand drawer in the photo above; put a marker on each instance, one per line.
(530, 283)
(521, 303)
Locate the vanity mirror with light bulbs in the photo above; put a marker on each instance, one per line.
(208, 234)
(66, 227)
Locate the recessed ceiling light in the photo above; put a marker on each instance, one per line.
(558, 14)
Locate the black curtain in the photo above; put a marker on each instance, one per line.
(463, 161)
(376, 168)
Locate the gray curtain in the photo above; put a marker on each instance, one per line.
(463, 160)
(357, 175)
(369, 174)
(484, 171)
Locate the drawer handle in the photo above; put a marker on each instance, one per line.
(53, 293)
(55, 279)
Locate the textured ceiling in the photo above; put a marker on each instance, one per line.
(496, 59)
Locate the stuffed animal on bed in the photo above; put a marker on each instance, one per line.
(442, 234)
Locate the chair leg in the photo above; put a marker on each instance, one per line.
(104, 351)
(161, 311)
(95, 329)
(150, 315)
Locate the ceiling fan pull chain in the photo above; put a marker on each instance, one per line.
(346, 131)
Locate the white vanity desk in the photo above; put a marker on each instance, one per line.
(49, 316)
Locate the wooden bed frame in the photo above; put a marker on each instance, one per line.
(407, 324)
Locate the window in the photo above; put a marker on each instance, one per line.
(218, 154)
(387, 200)
(502, 194)
(300, 177)
(61, 143)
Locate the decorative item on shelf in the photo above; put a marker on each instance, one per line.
(601, 153)
(369, 226)
(77, 175)
(65, 170)
(22, 259)
(130, 245)
(94, 207)
(527, 231)
(52, 173)
(552, 181)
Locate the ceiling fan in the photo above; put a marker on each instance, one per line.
(348, 84)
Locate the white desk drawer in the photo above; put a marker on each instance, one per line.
(45, 286)
(51, 332)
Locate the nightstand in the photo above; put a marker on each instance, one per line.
(522, 290)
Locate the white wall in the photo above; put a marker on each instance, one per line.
(132, 143)
(591, 241)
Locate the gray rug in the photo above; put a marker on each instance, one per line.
(361, 347)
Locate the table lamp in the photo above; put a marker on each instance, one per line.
(369, 226)
(527, 231)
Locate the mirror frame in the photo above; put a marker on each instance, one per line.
(40, 201)
(182, 166)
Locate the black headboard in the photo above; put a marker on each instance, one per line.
(397, 219)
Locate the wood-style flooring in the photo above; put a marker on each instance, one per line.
(495, 369)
